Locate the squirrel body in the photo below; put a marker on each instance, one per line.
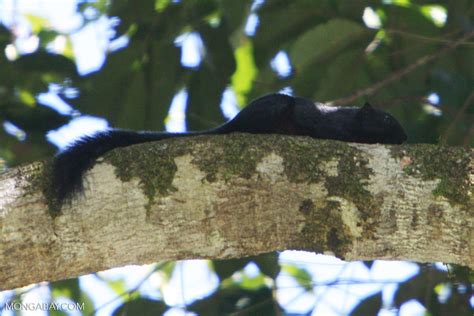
(270, 114)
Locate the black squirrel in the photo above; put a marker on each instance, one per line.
(270, 114)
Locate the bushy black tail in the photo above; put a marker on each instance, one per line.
(70, 165)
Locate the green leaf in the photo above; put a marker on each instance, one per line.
(268, 264)
(243, 78)
(161, 5)
(428, 11)
(130, 12)
(252, 283)
(281, 22)
(68, 288)
(301, 276)
(135, 87)
(141, 306)
(47, 36)
(368, 306)
(26, 97)
(5, 39)
(422, 287)
(350, 65)
(35, 118)
(208, 83)
(44, 62)
(226, 268)
(237, 301)
(324, 41)
(166, 269)
(37, 23)
(118, 286)
(235, 12)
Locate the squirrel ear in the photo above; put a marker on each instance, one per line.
(366, 107)
(364, 111)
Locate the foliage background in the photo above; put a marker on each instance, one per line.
(415, 60)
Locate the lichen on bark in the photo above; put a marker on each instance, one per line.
(448, 164)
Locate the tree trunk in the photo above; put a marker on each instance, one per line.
(239, 195)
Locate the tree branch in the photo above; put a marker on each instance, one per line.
(239, 195)
(397, 75)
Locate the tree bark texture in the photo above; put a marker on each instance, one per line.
(239, 195)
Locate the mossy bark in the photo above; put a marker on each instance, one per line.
(239, 195)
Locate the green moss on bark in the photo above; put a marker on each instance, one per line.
(153, 164)
(448, 164)
(235, 155)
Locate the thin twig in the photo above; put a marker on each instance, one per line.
(428, 38)
(444, 138)
(400, 73)
(470, 135)
(156, 268)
